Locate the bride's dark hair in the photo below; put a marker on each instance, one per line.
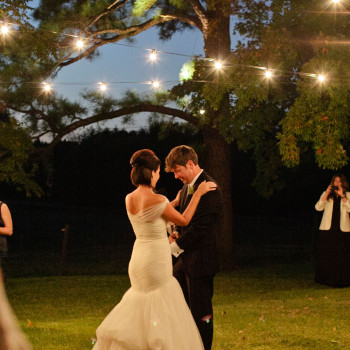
(143, 162)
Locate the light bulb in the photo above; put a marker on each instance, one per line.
(80, 44)
(218, 65)
(268, 74)
(4, 29)
(153, 55)
(103, 86)
(47, 87)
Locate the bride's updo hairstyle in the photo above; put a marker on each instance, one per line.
(143, 162)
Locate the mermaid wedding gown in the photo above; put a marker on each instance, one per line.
(153, 314)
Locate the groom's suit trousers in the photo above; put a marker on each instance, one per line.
(198, 293)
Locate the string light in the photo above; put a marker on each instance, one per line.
(102, 86)
(321, 78)
(153, 55)
(155, 84)
(4, 29)
(46, 87)
(201, 111)
(218, 65)
(79, 44)
(268, 74)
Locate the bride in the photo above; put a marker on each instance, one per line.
(153, 314)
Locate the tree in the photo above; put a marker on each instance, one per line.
(282, 37)
(15, 149)
(15, 140)
(110, 23)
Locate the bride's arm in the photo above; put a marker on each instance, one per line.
(170, 214)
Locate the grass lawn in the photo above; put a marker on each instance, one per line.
(271, 307)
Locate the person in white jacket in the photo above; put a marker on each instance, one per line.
(333, 243)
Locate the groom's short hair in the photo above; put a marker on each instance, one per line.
(180, 155)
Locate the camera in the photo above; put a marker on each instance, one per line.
(335, 188)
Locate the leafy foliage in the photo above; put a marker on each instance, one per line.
(142, 6)
(187, 71)
(15, 147)
(320, 114)
(262, 116)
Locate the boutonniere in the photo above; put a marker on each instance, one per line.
(190, 189)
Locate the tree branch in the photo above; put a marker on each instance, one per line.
(143, 107)
(112, 8)
(31, 111)
(148, 24)
(122, 34)
(200, 11)
(37, 137)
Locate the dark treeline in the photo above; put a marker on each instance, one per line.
(86, 181)
(95, 170)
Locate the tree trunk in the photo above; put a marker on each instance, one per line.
(218, 46)
(217, 40)
(218, 163)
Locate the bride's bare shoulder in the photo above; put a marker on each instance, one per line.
(130, 200)
(129, 197)
(153, 199)
(135, 201)
(159, 198)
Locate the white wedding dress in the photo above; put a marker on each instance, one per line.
(153, 314)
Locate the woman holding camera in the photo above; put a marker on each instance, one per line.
(333, 243)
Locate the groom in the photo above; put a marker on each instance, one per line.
(195, 244)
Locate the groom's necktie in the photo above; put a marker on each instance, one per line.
(188, 193)
(184, 197)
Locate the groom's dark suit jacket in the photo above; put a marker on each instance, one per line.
(198, 239)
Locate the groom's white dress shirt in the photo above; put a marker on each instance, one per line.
(175, 249)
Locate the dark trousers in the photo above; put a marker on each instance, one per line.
(198, 292)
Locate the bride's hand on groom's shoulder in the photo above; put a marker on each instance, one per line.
(206, 186)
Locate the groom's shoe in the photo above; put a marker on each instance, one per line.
(205, 327)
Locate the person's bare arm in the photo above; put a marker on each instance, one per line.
(7, 230)
(170, 214)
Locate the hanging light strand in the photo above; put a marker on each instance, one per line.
(218, 65)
